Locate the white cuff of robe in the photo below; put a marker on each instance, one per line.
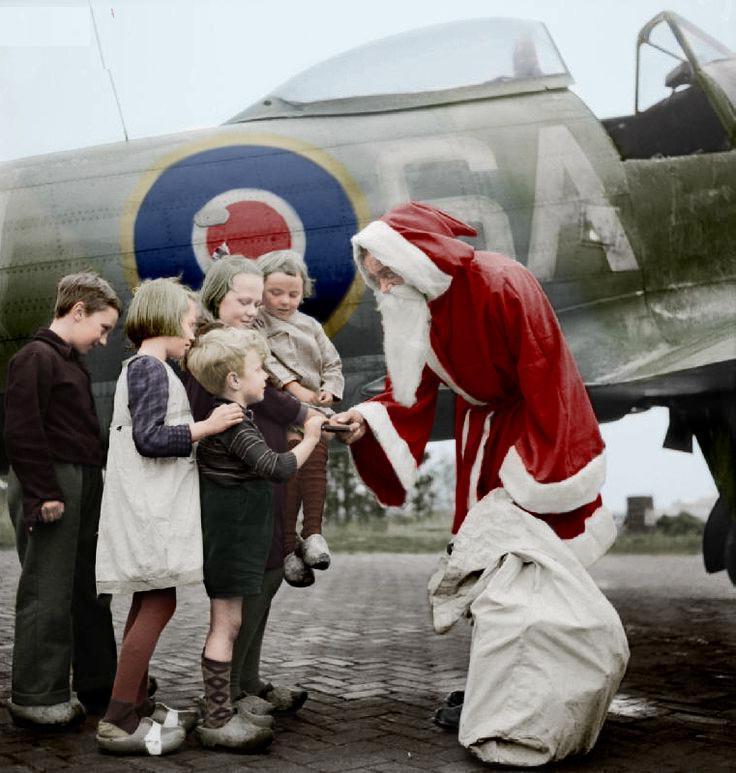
(393, 445)
(558, 497)
(600, 533)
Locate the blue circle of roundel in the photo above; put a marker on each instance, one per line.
(163, 226)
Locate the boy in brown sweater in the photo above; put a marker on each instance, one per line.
(52, 436)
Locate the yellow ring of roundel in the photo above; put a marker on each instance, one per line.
(362, 214)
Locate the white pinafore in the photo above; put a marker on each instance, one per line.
(150, 532)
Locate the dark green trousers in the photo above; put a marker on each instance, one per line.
(245, 673)
(60, 621)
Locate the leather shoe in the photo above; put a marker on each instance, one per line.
(448, 717)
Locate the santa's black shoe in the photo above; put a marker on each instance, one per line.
(448, 717)
(455, 698)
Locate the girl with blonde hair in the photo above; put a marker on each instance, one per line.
(150, 538)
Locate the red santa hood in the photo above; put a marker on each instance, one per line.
(418, 242)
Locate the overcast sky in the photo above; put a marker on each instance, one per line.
(183, 65)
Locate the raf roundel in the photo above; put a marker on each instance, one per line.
(248, 200)
(246, 221)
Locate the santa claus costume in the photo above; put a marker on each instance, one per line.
(481, 324)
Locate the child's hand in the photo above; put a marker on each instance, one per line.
(301, 393)
(224, 417)
(325, 398)
(313, 427)
(51, 511)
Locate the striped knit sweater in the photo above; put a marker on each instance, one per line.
(240, 454)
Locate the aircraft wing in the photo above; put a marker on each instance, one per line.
(696, 353)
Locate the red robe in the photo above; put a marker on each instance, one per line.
(523, 420)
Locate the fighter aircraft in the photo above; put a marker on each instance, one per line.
(628, 222)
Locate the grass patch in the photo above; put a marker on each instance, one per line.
(390, 535)
(655, 542)
(432, 536)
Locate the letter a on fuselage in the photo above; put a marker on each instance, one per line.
(559, 158)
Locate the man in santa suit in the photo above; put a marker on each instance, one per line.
(479, 323)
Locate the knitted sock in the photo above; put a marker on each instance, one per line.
(216, 676)
(313, 488)
(145, 707)
(123, 715)
(155, 608)
(141, 697)
(292, 504)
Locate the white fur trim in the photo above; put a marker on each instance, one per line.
(475, 472)
(401, 256)
(558, 497)
(436, 366)
(599, 535)
(393, 445)
(466, 429)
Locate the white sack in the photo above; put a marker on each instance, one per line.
(548, 650)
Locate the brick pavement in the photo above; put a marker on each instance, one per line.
(361, 642)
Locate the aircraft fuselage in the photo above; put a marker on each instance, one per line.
(636, 256)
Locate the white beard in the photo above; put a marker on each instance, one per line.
(406, 318)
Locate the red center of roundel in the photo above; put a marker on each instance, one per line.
(253, 229)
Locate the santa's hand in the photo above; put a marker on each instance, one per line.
(355, 421)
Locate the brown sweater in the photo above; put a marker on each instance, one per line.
(49, 417)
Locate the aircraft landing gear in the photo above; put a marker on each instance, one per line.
(714, 425)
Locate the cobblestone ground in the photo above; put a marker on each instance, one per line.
(360, 641)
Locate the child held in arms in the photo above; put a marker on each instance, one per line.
(305, 363)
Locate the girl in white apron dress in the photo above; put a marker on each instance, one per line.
(150, 538)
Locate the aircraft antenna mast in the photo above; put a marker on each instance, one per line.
(109, 71)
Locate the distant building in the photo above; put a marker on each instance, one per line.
(640, 514)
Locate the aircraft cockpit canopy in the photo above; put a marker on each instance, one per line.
(685, 98)
(434, 65)
(715, 59)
